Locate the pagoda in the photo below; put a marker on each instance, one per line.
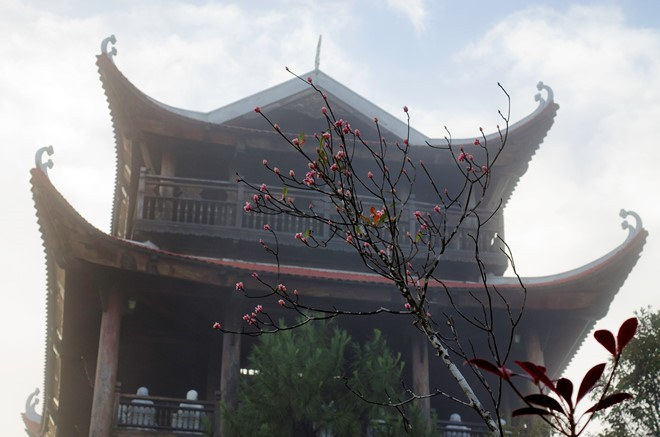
(133, 308)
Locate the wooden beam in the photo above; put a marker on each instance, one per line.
(106, 368)
(231, 365)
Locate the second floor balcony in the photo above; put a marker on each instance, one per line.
(211, 208)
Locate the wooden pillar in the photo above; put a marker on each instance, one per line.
(106, 367)
(420, 374)
(231, 366)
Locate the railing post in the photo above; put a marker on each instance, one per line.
(217, 414)
(240, 198)
(117, 400)
(139, 206)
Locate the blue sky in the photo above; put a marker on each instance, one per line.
(442, 59)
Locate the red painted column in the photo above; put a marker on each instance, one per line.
(106, 367)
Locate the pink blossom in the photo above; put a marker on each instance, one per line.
(276, 126)
(417, 214)
(339, 122)
(255, 275)
(405, 108)
(311, 165)
(263, 188)
(375, 119)
(340, 155)
(309, 79)
(424, 226)
(407, 306)
(325, 96)
(247, 207)
(267, 197)
(437, 209)
(259, 309)
(346, 130)
(476, 142)
(461, 157)
(256, 198)
(446, 192)
(349, 239)
(276, 170)
(382, 252)
(281, 287)
(266, 227)
(295, 291)
(217, 325)
(469, 157)
(334, 167)
(262, 242)
(326, 135)
(484, 168)
(366, 245)
(264, 162)
(295, 142)
(405, 141)
(370, 175)
(239, 286)
(298, 236)
(357, 132)
(324, 110)
(257, 110)
(292, 174)
(281, 302)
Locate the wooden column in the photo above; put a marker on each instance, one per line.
(231, 366)
(420, 374)
(106, 367)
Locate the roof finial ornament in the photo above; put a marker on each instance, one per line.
(104, 47)
(317, 59)
(38, 159)
(539, 98)
(625, 225)
(30, 404)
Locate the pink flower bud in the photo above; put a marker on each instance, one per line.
(281, 287)
(247, 207)
(324, 110)
(407, 306)
(437, 209)
(263, 188)
(417, 214)
(255, 275)
(326, 135)
(256, 198)
(295, 291)
(357, 132)
(267, 197)
(309, 79)
(370, 175)
(276, 126)
(281, 302)
(484, 168)
(264, 162)
(345, 130)
(325, 96)
(376, 120)
(239, 286)
(349, 239)
(405, 108)
(217, 325)
(259, 309)
(257, 110)
(276, 170)
(292, 174)
(298, 236)
(295, 142)
(266, 227)
(476, 142)
(340, 155)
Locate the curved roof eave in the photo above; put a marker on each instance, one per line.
(325, 82)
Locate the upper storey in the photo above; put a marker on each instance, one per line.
(176, 168)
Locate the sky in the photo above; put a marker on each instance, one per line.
(442, 59)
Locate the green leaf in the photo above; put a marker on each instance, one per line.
(285, 190)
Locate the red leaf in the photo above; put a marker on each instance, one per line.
(626, 333)
(609, 401)
(488, 367)
(545, 401)
(530, 410)
(606, 338)
(565, 389)
(589, 380)
(537, 373)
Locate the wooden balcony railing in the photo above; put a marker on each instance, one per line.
(165, 415)
(215, 208)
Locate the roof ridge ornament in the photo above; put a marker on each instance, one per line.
(625, 225)
(104, 47)
(30, 404)
(38, 159)
(539, 98)
(317, 58)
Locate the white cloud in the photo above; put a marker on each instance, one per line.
(414, 10)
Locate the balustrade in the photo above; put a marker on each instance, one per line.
(215, 208)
